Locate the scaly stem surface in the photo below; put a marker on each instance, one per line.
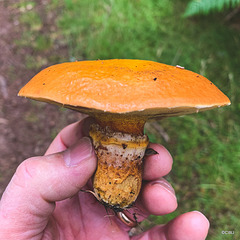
(118, 178)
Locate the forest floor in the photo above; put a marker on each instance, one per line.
(25, 130)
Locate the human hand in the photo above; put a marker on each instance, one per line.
(43, 200)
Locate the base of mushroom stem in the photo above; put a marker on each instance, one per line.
(118, 178)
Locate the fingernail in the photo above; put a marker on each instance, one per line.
(80, 151)
(207, 221)
(164, 184)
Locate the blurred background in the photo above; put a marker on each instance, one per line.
(202, 36)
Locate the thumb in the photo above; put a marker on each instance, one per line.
(39, 182)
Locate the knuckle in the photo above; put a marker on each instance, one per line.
(25, 173)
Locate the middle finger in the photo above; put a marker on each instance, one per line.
(157, 165)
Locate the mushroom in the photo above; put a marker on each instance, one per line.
(122, 95)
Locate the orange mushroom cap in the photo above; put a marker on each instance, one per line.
(123, 86)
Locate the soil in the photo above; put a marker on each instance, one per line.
(26, 127)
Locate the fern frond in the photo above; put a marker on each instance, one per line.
(196, 7)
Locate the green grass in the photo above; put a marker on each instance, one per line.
(111, 29)
(33, 34)
(196, 7)
(205, 146)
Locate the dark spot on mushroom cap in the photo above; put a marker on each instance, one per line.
(155, 79)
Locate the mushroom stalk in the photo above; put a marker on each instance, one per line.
(118, 178)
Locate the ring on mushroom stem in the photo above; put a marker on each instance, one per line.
(121, 95)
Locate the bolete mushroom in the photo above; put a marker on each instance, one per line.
(122, 95)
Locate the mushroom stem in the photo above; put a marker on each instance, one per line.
(118, 178)
(125, 123)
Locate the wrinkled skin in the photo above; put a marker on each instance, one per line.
(44, 201)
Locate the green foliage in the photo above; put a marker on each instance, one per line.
(114, 23)
(196, 7)
(42, 43)
(32, 20)
(24, 5)
(33, 36)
